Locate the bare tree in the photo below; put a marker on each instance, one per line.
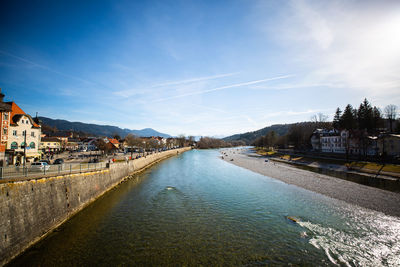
(191, 140)
(391, 114)
(102, 146)
(181, 140)
(133, 141)
(320, 117)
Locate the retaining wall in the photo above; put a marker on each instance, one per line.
(30, 209)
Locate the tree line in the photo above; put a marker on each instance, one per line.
(209, 142)
(366, 119)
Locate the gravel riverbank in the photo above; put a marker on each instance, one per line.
(361, 195)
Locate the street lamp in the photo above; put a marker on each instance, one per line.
(24, 133)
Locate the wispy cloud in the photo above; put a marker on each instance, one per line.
(137, 92)
(46, 68)
(196, 79)
(345, 43)
(222, 88)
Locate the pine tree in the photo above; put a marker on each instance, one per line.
(348, 118)
(337, 119)
(365, 116)
(377, 118)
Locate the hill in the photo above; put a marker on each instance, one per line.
(249, 137)
(98, 130)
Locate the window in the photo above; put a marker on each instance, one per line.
(14, 132)
(32, 145)
(14, 145)
(23, 144)
(5, 116)
(5, 131)
(33, 134)
(23, 133)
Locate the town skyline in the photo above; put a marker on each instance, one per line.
(199, 68)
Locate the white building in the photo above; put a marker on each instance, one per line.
(334, 141)
(23, 136)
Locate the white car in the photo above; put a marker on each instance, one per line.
(40, 166)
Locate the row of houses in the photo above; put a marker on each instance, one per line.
(19, 133)
(355, 143)
(22, 139)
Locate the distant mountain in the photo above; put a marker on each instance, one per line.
(98, 130)
(249, 137)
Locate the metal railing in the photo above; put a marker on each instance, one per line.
(15, 172)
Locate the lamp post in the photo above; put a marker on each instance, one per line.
(24, 147)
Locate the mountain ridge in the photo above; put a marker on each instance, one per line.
(249, 137)
(100, 130)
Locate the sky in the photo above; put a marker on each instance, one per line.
(211, 68)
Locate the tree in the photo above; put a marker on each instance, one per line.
(391, 114)
(116, 136)
(348, 118)
(336, 119)
(181, 140)
(365, 116)
(320, 117)
(269, 139)
(377, 119)
(191, 140)
(102, 145)
(133, 141)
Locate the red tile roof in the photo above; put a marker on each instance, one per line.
(16, 110)
(113, 141)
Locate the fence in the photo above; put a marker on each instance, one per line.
(13, 172)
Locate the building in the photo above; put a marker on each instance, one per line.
(72, 144)
(333, 141)
(113, 141)
(23, 136)
(87, 144)
(389, 145)
(344, 142)
(5, 113)
(50, 144)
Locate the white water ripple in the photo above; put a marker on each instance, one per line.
(374, 245)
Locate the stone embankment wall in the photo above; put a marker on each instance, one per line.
(30, 209)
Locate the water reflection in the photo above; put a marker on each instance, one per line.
(196, 209)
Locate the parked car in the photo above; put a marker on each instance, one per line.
(95, 160)
(58, 161)
(40, 166)
(45, 161)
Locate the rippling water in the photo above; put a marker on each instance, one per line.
(196, 209)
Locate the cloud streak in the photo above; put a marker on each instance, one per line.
(48, 68)
(223, 87)
(196, 79)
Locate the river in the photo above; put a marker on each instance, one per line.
(195, 209)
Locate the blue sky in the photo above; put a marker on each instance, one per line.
(198, 67)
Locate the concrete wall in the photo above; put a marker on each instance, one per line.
(30, 209)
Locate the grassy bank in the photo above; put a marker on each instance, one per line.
(369, 167)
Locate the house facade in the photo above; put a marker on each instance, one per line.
(50, 144)
(389, 145)
(23, 136)
(5, 113)
(330, 141)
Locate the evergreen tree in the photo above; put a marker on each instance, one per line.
(348, 118)
(377, 119)
(337, 119)
(365, 116)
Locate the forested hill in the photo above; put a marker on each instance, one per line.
(249, 137)
(98, 130)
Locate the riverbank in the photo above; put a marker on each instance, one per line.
(32, 208)
(361, 195)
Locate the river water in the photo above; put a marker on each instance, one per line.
(195, 209)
